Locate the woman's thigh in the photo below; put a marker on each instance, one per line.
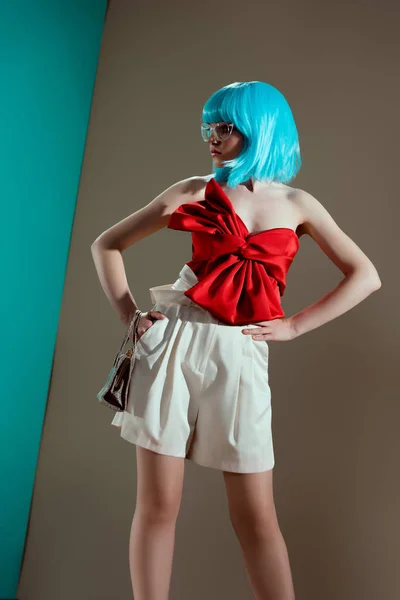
(250, 499)
(159, 483)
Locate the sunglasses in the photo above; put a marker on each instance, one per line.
(221, 131)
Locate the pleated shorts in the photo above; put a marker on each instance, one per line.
(199, 388)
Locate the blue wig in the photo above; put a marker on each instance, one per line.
(271, 150)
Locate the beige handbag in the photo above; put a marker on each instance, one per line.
(115, 392)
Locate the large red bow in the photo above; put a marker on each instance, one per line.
(241, 275)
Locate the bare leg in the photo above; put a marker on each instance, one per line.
(152, 539)
(254, 519)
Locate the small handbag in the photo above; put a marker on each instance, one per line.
(114, 393)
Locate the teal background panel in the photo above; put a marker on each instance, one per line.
(48, 57)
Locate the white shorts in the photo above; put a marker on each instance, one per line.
(199, 387)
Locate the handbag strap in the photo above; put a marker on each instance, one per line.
(132, 325)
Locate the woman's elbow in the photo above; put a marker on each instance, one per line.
(376, 283)
(371, 278)
(366, 275)
(101, 242)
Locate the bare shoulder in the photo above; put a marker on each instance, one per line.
(198, 185)
(189, 189)
(314, 216)
(177, 193)
(151, 217)
(320, 225)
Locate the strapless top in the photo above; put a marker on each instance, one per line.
(241, 275)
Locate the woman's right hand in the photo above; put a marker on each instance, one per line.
(147, 319)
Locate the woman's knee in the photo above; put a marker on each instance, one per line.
(251, 503)
(162, 508)
(159, 486)
(256, 523)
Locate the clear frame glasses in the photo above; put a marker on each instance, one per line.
(221, 130)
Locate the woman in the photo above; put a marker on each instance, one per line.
(200, 385)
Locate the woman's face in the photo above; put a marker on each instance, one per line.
(226, 149)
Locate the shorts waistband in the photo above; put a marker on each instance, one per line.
(172, 293)
(165, 294)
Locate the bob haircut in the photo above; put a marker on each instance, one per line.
(271, 150)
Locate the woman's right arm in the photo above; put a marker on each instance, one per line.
(108, 247)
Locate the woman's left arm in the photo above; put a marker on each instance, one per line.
(360, 275)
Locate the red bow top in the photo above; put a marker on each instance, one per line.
(241, 275)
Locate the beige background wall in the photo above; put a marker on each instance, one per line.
(335, 392)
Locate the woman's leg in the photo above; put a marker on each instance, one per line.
(152, 540)
(254, 519)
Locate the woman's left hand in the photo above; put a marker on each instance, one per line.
(277, 330)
